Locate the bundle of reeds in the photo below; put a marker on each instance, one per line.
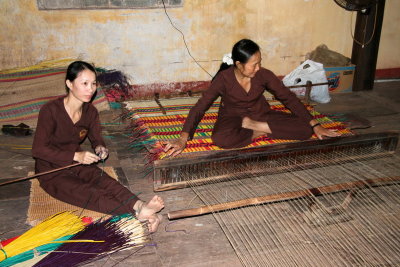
(118, 233)
(54, 227)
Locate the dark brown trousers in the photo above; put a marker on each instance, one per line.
(89, 188)
(229, 133)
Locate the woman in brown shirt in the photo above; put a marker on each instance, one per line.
(244, 113)
(63, 125)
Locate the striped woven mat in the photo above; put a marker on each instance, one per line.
(154, 127)
(28, 111)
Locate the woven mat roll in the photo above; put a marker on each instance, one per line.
(42, 205)
(13, 92)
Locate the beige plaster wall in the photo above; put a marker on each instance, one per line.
(144, 45)
(389, 47)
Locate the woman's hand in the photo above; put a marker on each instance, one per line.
(175, 147)
(101, 151)
(86, 157)
(322, 132)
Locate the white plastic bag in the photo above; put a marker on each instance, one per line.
(309, 71)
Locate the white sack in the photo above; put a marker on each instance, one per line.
(309, 71)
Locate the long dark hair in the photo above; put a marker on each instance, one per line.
(75, 68)
(241, 51)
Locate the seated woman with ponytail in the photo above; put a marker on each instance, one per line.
(244, 113)
(63, 124)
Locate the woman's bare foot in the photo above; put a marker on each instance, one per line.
(147, 212)
(153, 222)
(257, 126)
(246, 122)
(153, 206)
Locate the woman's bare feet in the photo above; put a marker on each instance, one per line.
(147, 212)
(257, 126)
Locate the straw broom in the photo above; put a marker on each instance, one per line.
(54, 227)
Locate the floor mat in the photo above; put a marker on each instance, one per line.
(42, 205)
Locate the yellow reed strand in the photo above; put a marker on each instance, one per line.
(77, 241)
(56, 226)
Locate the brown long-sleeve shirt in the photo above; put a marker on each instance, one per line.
(57, 138)
(236, 103)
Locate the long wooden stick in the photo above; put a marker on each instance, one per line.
(157, 99)
(279, 197)
(39, 174)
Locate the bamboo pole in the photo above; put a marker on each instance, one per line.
(39, 174)
(279, 197)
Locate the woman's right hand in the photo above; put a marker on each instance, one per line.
(175, 147)
(86, 157)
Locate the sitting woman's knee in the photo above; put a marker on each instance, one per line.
(224, 142)
(305, 133)
(228, 141)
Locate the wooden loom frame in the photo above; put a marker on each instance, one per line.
(164, 168)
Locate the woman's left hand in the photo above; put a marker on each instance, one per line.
(102, 152)
(322, 132)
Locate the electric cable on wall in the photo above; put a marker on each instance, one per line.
(184, 40)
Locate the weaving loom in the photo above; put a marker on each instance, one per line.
(201, 158)
(200, 154)
(185, 172)
(335, 200)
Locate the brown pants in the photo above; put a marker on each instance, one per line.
(228, 131)
(87, 187)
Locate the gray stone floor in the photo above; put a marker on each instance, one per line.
(197, 241)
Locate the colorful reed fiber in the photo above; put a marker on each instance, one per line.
(54, 227)
(86, 244)
(118, 233)
(30, 254)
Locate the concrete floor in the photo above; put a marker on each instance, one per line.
(197, 241)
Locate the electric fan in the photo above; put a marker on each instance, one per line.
(356, 5)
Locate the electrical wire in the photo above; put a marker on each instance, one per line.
(184, 40)
(365, 27)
